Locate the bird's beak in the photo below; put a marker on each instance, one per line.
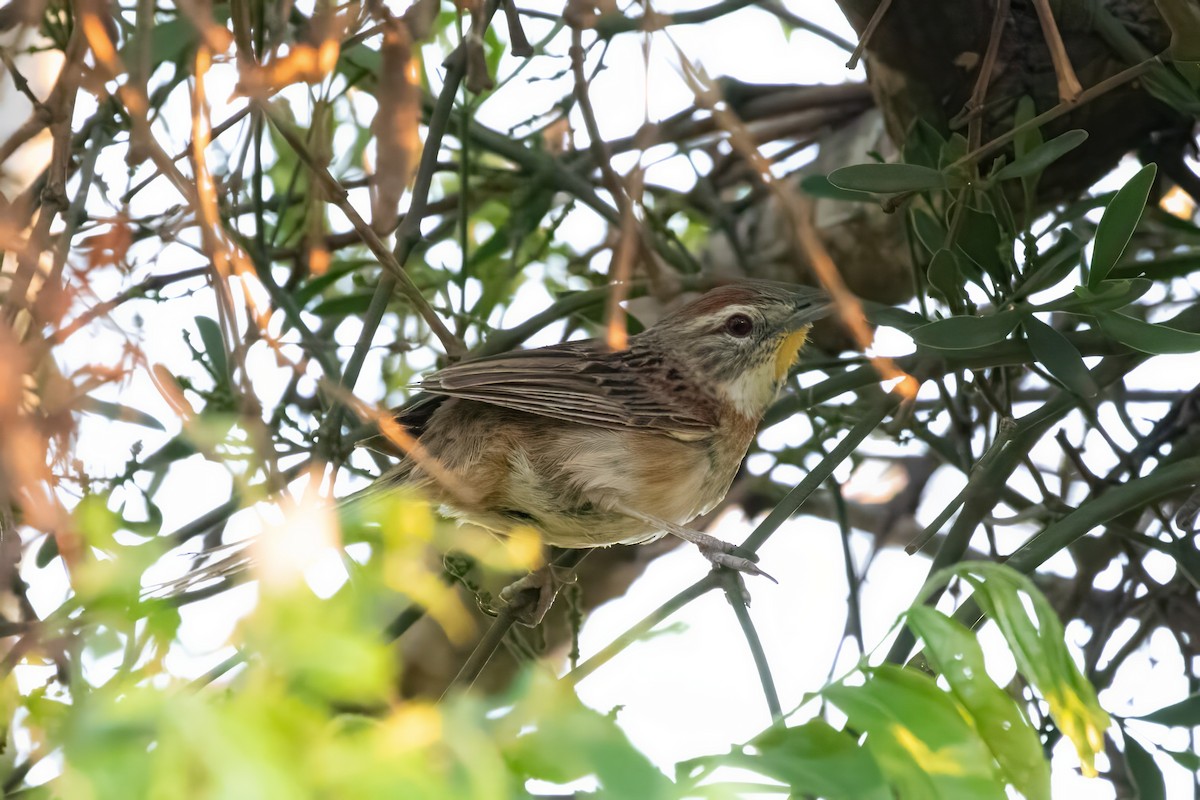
(811, 305)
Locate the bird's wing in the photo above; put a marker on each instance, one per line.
(578, 382)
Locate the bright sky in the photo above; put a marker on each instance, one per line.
(683, 694)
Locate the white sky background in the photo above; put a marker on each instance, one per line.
(683, 694)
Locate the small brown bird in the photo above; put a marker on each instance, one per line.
(593, 447)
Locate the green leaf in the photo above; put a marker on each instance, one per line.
(1042, 156)
(1038, 645)
(1053, 265)
(1183, 18)
(1184, 758)
(344, 306)
(1029, 139)
(931, 233)
(1118, 223)
(1185, 713)
(955, 149)
(1147, 337)
(819, 186)
(955, 652)
(891, 317)
(96, 521)
(1105, 297)
(919, 735)
(980, 240)
(1147, 777)
(119, 412)
(814, 759)
(214, 345)
(1159, 269)
(315, 286)
(1059, 356)
(945, 277)
(967, 333)
(887, 178)
(923, 143)
(47, 552)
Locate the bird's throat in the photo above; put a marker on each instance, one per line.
(789, 351)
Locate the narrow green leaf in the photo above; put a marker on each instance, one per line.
(344, 306)
(1055, 263)
(1147, 777)
(214, 345)
(1184, 758)
(887, 178)
(1160, 269)
(945, 277)
(919, 735)
(1185, 713)
(923, 143)
(1107, 296)
(1183, 18)
(819, 186)
(955, 653)
(119, 412)
(1147, 337)
(966, 333)
(1118, 223)
(1042, 156)
(980, 240)
(1059, 356)
(1029, 139)
(930, 231)
(814, 759)
(314, 286)
(47, 552)
(896, 318)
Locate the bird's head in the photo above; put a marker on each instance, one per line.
(740, 340)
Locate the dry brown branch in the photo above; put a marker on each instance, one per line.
(1069, 87)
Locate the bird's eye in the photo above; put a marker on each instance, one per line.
(739, 325)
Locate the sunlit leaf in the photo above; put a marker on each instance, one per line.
(1038, 645)
(919, 735)
(813, 759)
(955, 653)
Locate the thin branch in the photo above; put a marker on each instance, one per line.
(865, 39)
(735, 593)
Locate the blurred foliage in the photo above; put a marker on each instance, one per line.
(369, 204)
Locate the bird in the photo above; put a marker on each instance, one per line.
(593, 446)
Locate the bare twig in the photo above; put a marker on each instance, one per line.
(1068, 84)
(869, 31)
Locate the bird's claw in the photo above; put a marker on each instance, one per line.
(721, 558)
(529, 598)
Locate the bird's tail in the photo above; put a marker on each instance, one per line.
(229, 564)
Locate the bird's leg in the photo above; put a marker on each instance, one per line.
(719, 552)
(531, 596)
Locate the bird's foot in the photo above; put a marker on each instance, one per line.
(529, 598)
(724, 554)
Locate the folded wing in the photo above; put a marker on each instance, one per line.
(581, 382)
